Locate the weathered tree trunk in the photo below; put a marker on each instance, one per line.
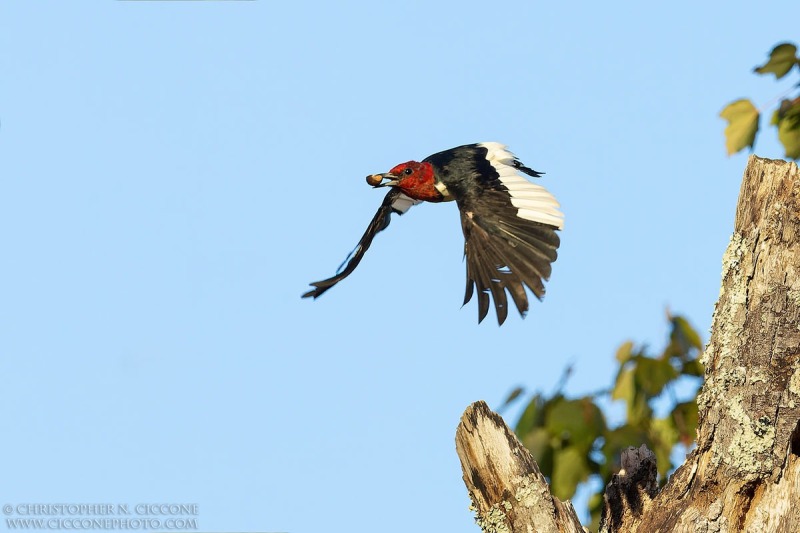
(744, 474)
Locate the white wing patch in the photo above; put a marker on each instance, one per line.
(533, 202)
(403, 203)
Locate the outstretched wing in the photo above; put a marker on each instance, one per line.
(394, 202)
(510, 234)
(504, 252)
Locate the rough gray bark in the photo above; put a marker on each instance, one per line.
(744, 474)
(508, 491)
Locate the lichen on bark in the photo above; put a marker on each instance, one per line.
(744, 474)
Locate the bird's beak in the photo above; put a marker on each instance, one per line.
(376, 180)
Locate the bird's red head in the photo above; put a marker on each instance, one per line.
(416, 180)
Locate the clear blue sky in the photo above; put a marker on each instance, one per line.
(174, 174)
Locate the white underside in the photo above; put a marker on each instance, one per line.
(403, 203)
(533, 202)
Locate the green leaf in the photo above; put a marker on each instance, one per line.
(685, 334)
(781, 60)
(595, 507)
(625, 352)
(684, 416)
(628, 389)
(624, 387)
(787, 118)
(513, 395)
(663, 437)
(577, 422)
(570, 467)
(692, 368)
(740, 133)
(539, 442)
(639, 412)
(653, 374)
(684, 341)
(532, 417)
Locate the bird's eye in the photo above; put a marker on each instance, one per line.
(408, 171)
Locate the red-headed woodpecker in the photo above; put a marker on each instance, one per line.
(509, 223)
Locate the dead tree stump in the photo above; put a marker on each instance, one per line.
(744, 474)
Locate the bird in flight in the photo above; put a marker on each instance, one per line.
(509, 223)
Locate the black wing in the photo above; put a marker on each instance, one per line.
(509, 224)
(394, 202)
(504, 252)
